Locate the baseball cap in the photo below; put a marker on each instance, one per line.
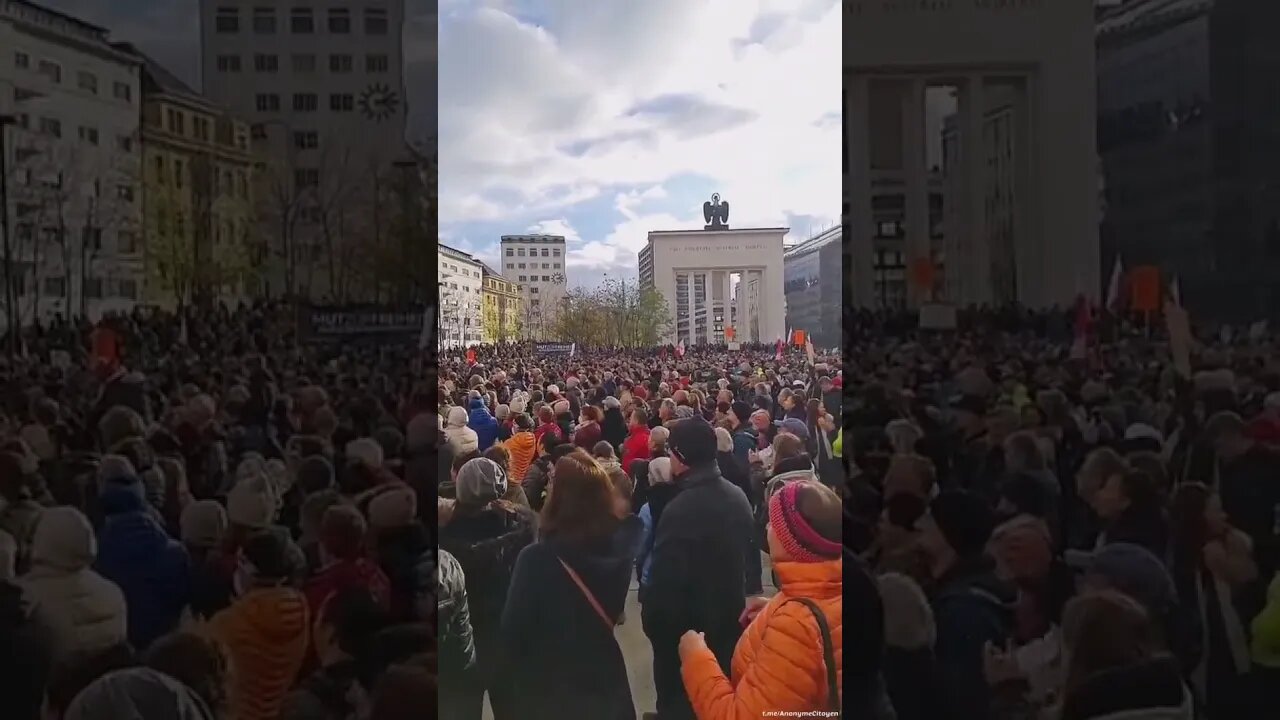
(1130, 569)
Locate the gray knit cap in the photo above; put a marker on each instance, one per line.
(480, 481)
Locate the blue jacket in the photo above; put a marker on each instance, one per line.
(151, 569)
(484, 424)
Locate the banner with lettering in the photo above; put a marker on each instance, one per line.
(341, 323)
(555, 349)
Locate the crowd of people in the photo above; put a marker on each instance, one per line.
(208, 517)
(570, 482)
(1061, 521)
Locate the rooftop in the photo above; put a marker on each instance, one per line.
(1141, 14)
(817, 242)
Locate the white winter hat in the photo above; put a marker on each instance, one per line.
(252, 503)
(203, 523)
(366, 452)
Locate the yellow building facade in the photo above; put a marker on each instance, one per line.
(502, 308)
(198, 201)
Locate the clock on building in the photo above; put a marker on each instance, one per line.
(379, 102)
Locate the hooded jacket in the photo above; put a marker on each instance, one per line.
(484, 424)
(778, 664)
(569, 661)
(1151, 690)
(971, 607)
(84, 612)
(457, 644)
(151, 569)
(265, 632)
(462, 439)
(523, 449)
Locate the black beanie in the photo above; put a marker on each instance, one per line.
(964, 520)
(742, 411)
(693, 440)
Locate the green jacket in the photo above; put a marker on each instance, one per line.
(1266, 629)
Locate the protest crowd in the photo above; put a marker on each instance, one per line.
(207, 517)
(572, 476)
(1068, 515)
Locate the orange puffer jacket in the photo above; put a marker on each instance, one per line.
(778, 663)
(265, 633)
(523, 450)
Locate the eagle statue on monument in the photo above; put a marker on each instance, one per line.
(716, 213)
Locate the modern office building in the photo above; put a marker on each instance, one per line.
(717, 278)
(461, 282)
(503, 307)
(1021, 189)
(538, 264)
(1187, 137)
(198, 196)
(322, 85)
(813, 278)
(69, 114)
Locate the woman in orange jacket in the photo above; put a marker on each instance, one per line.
(523, 449)
(786, 660)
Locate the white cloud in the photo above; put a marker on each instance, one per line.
(546, 103)
(559, 226)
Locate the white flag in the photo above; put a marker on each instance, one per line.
(1113, 287)
(680, 348)
(1175, 293)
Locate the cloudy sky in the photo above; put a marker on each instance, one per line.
(604, 120)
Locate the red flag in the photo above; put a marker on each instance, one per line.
(777, 355)
(471, 357)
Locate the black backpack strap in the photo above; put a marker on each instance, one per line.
(828, 652)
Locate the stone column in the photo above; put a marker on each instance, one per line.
(692, 307)
(974, 268)
(914, 136)
(726, 288)
(861, 226)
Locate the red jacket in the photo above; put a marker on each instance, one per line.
(635, 447)
(545, 428)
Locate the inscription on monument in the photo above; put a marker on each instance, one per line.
(716, 248)
(860, 8)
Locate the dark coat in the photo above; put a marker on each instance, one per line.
(699, 577)
(457, 648)
(971, 607)
(614, 428)
(404, 554)
(486, 544)
(565, 661)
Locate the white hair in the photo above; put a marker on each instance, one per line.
(659, 471)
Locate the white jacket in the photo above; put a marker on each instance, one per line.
(83, 611)
(462, 439)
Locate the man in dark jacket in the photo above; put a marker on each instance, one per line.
(1249, 485)
(700, 576)
(460, 697)
(970, 606)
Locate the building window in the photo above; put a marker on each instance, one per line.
(21, 60)
(268, 102)
(264, 21)
(305, 178)
(55, 287)
(177, 122)
(125, 143)
(160, 174)
(305, 102)
(89, 135)
(125, 192)
(93, 287)
(122, 91)
(266, 63)
(128, 288)
(178, 174)
(520, 252)
(50, 126)
(340, 63)
(127, 241)
(546, 278)
(304, 63)
(301, 21)
(522, 278)
(555, 253)
(306, 140)
(229, 63)
(87, 81)
(91, 237)
(339, 21)
(342, 102)
(510, 252)
(227, 21)
(533, 290)
(375, 21)
(51, 70)
(376, 64)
